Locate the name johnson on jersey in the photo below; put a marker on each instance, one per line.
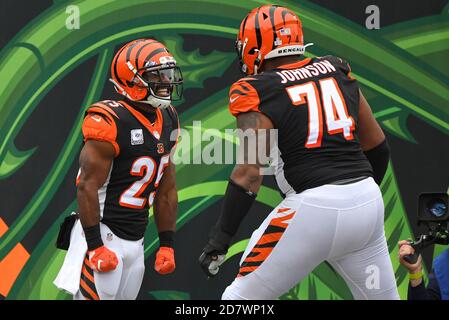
(314, 104)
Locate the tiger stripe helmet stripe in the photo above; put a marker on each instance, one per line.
(128, 66)
(263, 31)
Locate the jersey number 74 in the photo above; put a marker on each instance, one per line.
(336, 113)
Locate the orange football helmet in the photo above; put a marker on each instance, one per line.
(144, 70)
(267, 32)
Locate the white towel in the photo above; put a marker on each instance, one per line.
(69, 275)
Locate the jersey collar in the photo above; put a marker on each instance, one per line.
(156, 128)
(295, 65)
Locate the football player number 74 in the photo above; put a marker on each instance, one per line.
(144, 167)
(336, 113)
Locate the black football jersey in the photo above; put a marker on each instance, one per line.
(314, 105)
(142, 151)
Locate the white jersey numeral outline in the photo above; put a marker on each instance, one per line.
(336, 112)
(144, 167)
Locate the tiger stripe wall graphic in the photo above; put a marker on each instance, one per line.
(52, 69)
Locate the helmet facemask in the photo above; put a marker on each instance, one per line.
(160, 84)
(144, 71)
(164, 83)
(240, 48)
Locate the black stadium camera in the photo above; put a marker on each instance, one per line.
(434, 214)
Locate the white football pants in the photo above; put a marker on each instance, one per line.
(124, 282)
(342, 224)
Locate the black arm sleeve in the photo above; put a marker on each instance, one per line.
(432, 292)
(236, 204)
(378, 158)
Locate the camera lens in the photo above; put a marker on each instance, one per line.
(437, 208)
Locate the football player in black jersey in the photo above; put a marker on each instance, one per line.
(125, 168)
(333, 155)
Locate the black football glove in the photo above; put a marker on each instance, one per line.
(214, 253)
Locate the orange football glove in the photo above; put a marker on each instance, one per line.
(165, 260)
(102, 259)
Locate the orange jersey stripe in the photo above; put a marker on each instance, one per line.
(101, 108)
(145, 122)
(243, 97)
(95, 127)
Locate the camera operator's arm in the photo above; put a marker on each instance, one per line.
(417, 289)
(415, 270)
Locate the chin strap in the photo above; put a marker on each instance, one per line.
(156, 102)
(120, 90)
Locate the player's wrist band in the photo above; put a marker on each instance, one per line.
(93, 237)
(415, 276)
(167, 239)
(218, 241)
